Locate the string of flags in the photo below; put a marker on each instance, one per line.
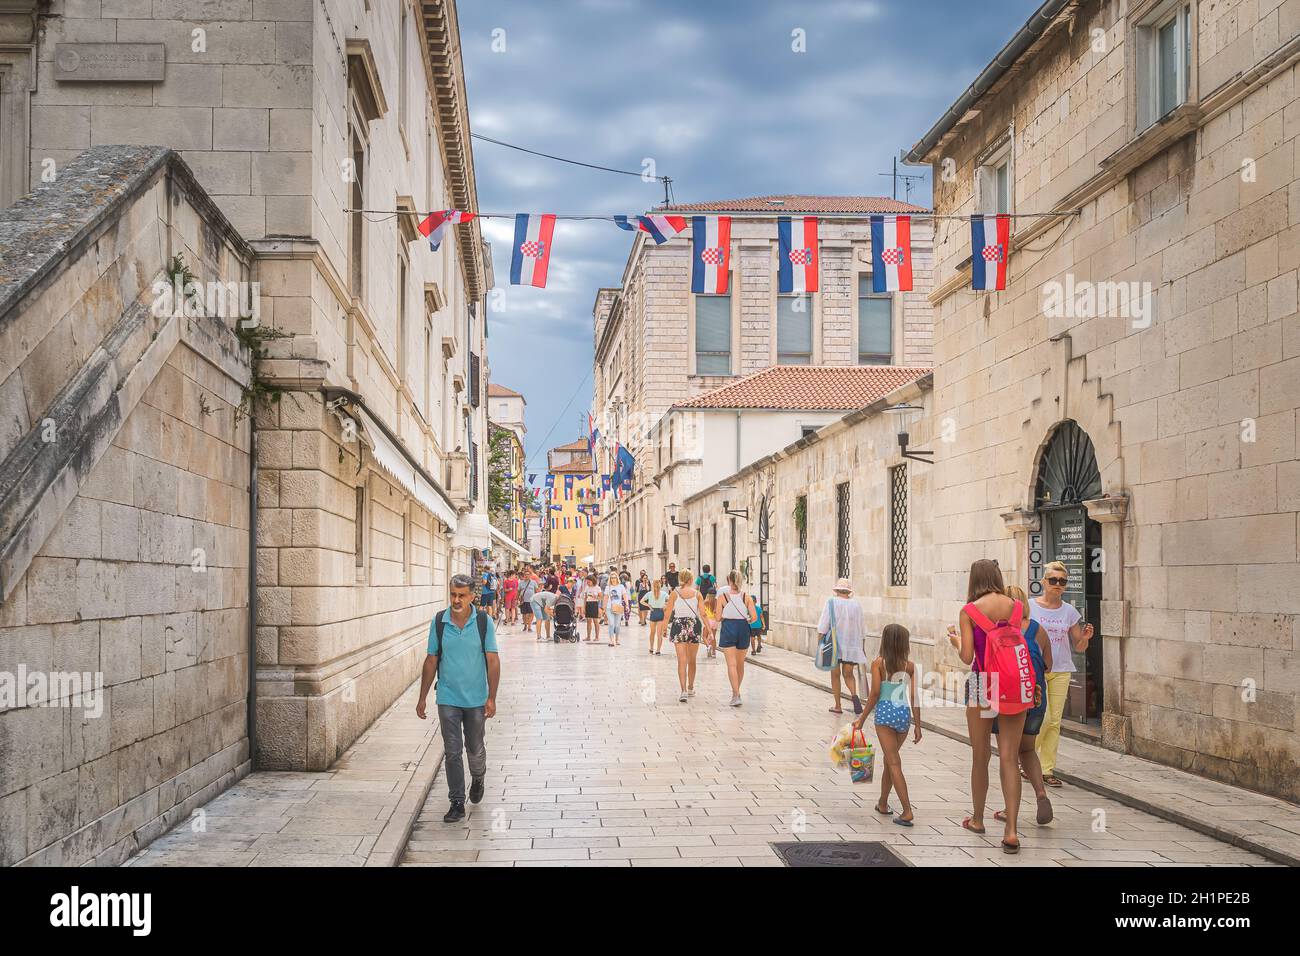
(799, 257)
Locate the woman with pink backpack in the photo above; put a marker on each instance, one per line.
(1001, 685)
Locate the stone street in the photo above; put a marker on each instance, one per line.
(592, 761)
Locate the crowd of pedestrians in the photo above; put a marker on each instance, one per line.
(1019, 651)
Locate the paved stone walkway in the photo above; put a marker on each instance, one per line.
(594, 762)
(358, 813)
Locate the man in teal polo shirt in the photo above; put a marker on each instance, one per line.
(465, 661)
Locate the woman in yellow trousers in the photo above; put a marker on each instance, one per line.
(1061, 622)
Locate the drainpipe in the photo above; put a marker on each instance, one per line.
(252, 587)
(737, 468)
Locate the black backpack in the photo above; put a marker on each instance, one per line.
(439, 624)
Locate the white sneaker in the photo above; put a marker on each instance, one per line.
(682, 698)
(691, 692)
(735, 701)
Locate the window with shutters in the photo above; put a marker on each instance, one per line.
(794, 330)
(713, 334)
(875, 324)
(474, 384)
(842, 530)
(898, 526)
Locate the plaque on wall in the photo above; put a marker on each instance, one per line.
(109, 62)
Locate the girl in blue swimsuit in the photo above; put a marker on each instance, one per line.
(893, 697)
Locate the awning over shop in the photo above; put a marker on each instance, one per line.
(473, 530)
(505, 541)
(395, 463)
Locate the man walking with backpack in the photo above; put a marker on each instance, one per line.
(463, 657)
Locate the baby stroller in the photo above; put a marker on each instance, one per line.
(565, 625)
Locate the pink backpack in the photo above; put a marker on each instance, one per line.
(1007, 666)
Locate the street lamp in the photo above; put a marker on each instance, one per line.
(672, 518)
(907, 414)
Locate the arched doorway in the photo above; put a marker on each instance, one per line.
(1067, 477)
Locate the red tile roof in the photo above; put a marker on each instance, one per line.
(577, 466)
(801, 204)
(579, 444)
(808, 387)
(500, 391)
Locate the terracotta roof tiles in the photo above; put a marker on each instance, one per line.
(808, 387)
(777, 205)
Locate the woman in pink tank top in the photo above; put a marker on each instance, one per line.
(987, 593)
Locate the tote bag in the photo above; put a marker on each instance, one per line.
(828, 648)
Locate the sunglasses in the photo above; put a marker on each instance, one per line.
(1059, 582)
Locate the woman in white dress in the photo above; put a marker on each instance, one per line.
(850, 634)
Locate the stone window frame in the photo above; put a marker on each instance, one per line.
(1144, 20)
(891, 469)
(1001, 151)
(735, 323)
(818, 354)
(862, 269)
(361, 533)
(16, 84)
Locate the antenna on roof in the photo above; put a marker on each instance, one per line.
(906, 177)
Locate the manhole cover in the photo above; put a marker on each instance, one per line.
(838, 854)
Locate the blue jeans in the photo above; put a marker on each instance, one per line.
(463, 732)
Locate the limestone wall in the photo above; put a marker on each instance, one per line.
(1193, 414)
(124, 513)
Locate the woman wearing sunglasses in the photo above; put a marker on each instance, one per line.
(1061, 622)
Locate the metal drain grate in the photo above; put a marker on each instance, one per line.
(838, 854)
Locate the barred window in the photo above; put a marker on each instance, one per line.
(842, 530)
(898, 526)
(801, 524)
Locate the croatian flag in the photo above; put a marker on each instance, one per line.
(989, 249)
(891, 254)
(532, 249)
(710, 254)
(796, 268)
(436, 224)
(659, 228)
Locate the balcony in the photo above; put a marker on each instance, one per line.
(458, 479)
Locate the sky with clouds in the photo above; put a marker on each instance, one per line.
(715, 94)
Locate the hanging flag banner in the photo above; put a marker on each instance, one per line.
(891, 254)
(568, 486)
(436, 224)
(659, 228)
(550, 481)
(604, 484)
(710, 254)
(531, 255)
(532, 479)
(797, 266)
(989, 249)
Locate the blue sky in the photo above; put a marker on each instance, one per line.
(717, 97)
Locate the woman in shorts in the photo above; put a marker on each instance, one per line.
(653, 603)
(736, 612)
(591, 601)
(685, 611)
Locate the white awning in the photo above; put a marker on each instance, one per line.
(473, 530)
(508, 543)
(399, 467)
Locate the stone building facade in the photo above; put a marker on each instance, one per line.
(295, 116)
(124, 512)
(646, 359)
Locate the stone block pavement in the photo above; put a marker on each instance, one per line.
(358, 813)
(592, 761)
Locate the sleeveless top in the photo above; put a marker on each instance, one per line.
(691, 604)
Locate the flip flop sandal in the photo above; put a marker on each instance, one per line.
(1011, 849)
(1052, 781)
(836, 711)
(1000, 816)
(903, 823)
(887, 812)
(1044, 811)
(966, 823)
